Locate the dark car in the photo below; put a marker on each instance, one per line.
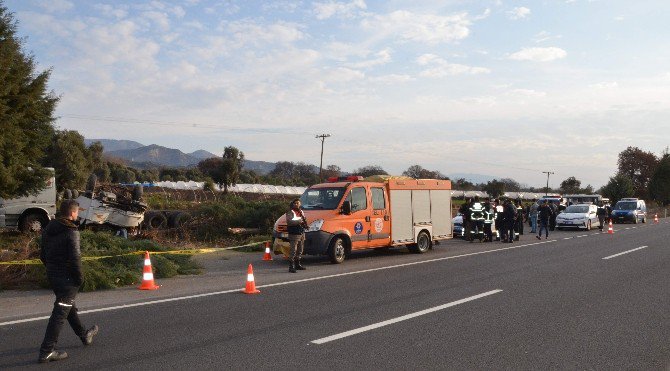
(629, 210)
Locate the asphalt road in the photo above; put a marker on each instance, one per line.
(569, 302)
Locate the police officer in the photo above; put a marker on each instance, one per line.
(519, 220)
(60, 253)
(477, 220)
(509, 218)
(296, 223)
(602, 215)
(499, 221)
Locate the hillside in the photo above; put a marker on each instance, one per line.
(114, 144)
(156, 154)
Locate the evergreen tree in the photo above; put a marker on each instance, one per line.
(26, 115)
(71, 159)
(233, 160)
(618, 187)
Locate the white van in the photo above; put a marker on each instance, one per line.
(629, 210)
(30, 213)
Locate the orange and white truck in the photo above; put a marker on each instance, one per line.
(349, 213)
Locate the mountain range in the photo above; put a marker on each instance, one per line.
(142, 156)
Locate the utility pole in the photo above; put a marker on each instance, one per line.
(546, 190)
(323, 139)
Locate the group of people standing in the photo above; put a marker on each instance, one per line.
(506, 215)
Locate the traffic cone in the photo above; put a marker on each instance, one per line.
(610, 230)
(251, 285)
(655, 218)
(267, 256)
(148, 275)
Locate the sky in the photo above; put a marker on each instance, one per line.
(495, 87)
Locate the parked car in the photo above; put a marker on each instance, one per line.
(629, 210)
(457, 222)
(581, 216)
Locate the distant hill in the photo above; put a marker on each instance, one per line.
(259, 167)
(202, 154)
(156, 154)
(114, 145)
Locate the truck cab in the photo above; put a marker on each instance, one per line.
(30, 213)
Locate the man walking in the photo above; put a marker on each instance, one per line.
(296, 223)
(61, 255)
(544, 213)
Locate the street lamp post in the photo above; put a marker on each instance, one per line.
(323, 139)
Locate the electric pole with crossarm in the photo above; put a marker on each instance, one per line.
(323, 139)
(546, 190)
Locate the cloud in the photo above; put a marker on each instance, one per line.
(117, 11)
(539, 54)
(392, 79)
(425, 28)
(605, 85)
(528, 93)
(246, 32)
(518, 13)
(439, 67)
(543, 36)
(381, 58)
(55, 6)
(329, 9)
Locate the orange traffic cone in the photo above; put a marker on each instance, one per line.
(655, 218)
(610, 230)
(148, 275)
(251, 285)
(267, 255)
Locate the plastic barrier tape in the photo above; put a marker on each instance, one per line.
(173, 252)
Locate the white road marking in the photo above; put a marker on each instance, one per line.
(584, 235)
(567, 238)
(400, 319)
(625, 252)
(167, 300)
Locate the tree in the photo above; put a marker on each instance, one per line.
(494, 188)
(370, 170)
(98, 164)
(233, 160)
(463, 185)
(332, 171)
(71, 159)
(26, 115)
(659, 185)
(570, 186)
(618, 187)
(511, 185)
(418, 172)
(639, 166)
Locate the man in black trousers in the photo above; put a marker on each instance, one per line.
(60, 253)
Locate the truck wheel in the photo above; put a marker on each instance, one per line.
(33, 222)
(154, 220)
(67, 195)
(179, 219)
(422, 243)
(75, 194)
(337, 251)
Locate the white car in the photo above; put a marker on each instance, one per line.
(582, 216)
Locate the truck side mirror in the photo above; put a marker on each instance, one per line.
(346, 208)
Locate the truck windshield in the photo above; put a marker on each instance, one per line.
(321, 198)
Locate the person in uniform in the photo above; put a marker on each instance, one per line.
(518, 229)
(297, 224)
(61, 255)
(489, 216)
(602, 215)
(467, 220)
(477, 220)
(499, 220)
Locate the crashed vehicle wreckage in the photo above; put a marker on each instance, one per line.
(111, 206)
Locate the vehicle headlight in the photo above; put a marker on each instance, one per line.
(315, 225)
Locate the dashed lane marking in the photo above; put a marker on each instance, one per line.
(625, 252)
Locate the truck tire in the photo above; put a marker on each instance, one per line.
(67, 195)
(337, 250)
(422, 244)
(138, 192)
(91, 183)
(154, 220)
(33, 222)
(179, 219)
(75, 194)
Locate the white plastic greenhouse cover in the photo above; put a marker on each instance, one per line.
(251, 188)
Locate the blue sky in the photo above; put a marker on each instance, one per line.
(504, 88)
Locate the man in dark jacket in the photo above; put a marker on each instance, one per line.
(61, 256)
(509, 218)
(544, 213)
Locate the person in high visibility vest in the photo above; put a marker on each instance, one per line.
(477, 219)
(518, 230)
(297, 224)
(499, 222)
